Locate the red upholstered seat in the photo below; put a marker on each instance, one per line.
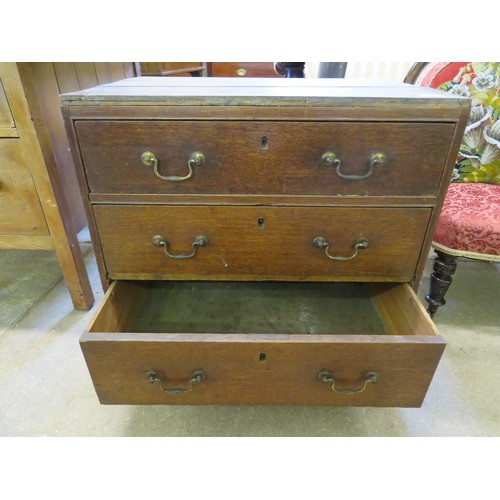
(469, 224)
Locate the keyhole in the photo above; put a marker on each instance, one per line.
(262, 356)
(260, 223)
(264, 145)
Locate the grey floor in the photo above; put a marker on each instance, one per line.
(45, 389)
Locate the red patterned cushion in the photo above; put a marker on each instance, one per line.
(469, 223)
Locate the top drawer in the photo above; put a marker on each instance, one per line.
(323, 158)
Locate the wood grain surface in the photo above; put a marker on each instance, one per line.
(19, 204)
(264, 157)
(260, 241)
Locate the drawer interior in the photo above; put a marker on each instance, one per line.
(273, 308)
(238, 307)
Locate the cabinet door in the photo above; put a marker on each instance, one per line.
(19, 204)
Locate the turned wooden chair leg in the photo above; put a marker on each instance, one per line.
(444, 267)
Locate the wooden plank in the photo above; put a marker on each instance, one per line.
(87, 76)
(82, 184)
(162, 275)
(281, 83)
(38, 153)
(8, 132)
(402, 312)
(6, 118)
(103, 72)
(261, 200)
(46, 89)
(26, 242)
(154, 81)
(116, 337)
(67, 78)
(304, 93)
(117, 71)
(119, 308)
(192, 96)
(157, 111)
(108, 72)
(20, 209)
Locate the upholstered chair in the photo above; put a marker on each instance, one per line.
(469, 224)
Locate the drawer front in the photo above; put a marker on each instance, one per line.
(340, 158)
(256, 372)
(260, 242)
(19, 204)
(339, 370)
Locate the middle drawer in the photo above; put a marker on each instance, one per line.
(260, 243)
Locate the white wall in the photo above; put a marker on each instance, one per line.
(395, 71)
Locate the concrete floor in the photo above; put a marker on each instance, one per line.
(45, 389)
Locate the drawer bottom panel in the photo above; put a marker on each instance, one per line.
(340, 345)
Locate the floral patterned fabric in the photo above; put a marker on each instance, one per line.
(479, 156)
(469, 224)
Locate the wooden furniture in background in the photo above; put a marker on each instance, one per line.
(40, 204)
(224, 69)
(243, 69)
(173, 68)
(308, 186)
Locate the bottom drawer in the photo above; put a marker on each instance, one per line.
(340, 344)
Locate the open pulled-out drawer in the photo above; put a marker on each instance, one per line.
(339, 344)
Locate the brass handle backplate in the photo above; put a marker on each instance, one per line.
(369, 378)
(320, 242)
(197, 159)
(330, 159)
(197, 377)
(199, 241)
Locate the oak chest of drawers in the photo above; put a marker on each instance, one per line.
(262, 239)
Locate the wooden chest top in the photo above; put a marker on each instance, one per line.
(263, 92)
